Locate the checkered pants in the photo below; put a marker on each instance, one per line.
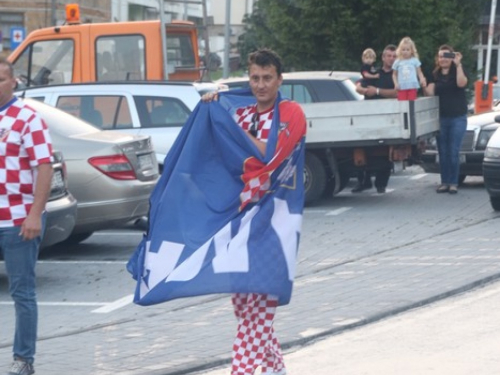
(255, 343)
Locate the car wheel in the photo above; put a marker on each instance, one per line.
(495, 203)
(314, 178)
(461, 178)
(77, 238)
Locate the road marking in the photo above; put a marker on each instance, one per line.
(80, 262)
(418, 176)
(338, 211)
(104, 307)
(64, 304)
(127, 233)
(119, 303)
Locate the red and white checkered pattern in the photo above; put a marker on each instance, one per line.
(255, 188)
(24, 144)
(255, 343)
(243, 117)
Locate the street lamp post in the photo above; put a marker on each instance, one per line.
(226, 39)
(163, 31)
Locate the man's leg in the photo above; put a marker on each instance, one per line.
(382, 177)
(255, 336)
(364, 181)
(20, 260)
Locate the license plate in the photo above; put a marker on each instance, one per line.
(145, 161)
(57, 180)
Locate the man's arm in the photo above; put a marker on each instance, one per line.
(388, 93)
(366, 91)
(32, 226)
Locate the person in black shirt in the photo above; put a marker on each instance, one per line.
(368, 70)
(448, 81)
(384, 89)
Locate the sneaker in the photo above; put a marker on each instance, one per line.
(21, 368)
(381, 190)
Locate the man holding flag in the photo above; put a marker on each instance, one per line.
(226, 214)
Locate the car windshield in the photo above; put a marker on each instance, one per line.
(61, 122)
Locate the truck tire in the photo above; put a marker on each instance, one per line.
(314, 178)
(495, 203)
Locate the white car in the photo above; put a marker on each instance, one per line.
(155, 109)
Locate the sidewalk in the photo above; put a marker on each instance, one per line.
(458, 336)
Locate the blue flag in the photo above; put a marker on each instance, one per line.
(224, 218)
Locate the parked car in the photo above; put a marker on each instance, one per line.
(155, 109)
(311, 87)
(479, 130)
(60, 207)
(491, 168)
(110, 174)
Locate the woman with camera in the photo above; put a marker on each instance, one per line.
(448, 81)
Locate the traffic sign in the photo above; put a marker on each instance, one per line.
(17, 35)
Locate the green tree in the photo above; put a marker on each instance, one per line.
(331, 34)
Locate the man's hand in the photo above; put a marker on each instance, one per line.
(31, 227)
(210, 96)
(370, 91)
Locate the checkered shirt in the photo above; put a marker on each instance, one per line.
(256, 187)
(243, 117)
(24, 145)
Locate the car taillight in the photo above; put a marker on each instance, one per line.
(114, 166)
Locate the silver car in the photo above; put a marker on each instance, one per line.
(111, 174)
(61, 206)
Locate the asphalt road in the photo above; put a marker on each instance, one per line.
(344, 242)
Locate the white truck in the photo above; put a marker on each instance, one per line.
(343, 137)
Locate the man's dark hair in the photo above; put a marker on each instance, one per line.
(8, 65)
(266, 57)
(390, 47)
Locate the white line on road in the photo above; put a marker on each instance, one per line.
(63, 304)
(81, 262)
(338, 211)
(418, 176)
(119, 303)
(104, 307)
(124, 233)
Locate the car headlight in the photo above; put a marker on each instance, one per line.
(484, 137)
(492, 153)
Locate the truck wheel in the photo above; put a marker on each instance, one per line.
(461, 178)
(495, 203)
(314, 178)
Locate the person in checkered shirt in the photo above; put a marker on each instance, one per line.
(256, 344)
(25, 180)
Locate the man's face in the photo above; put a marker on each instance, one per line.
(7, 85)
(265, 83)
(388, 58)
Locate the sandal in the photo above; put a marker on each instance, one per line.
(453, 190)
(443, 189)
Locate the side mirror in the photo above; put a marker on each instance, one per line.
(497, 118)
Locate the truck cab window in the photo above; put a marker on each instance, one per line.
(120, 58)
(45, 63)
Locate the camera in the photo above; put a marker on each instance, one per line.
(449, 55)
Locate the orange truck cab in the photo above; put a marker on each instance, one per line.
(118, 51)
